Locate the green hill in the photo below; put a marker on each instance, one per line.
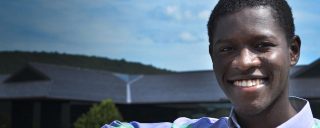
(12, 61)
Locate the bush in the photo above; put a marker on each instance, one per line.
(98, 115)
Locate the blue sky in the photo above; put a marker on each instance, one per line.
(168, 34)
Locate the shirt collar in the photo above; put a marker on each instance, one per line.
(303, 118)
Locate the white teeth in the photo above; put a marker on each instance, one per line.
(254, 82)
(248, 83)
(243, 83)
(236, 83)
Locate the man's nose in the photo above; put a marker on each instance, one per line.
(247, 60)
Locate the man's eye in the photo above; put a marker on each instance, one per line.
(263, 45)
(226, 49)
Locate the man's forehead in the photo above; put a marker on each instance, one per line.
(255, 22)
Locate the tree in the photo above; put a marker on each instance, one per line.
(98, 115)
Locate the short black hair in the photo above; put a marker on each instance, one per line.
(281, 13)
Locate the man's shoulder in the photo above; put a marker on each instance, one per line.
(203, 122)
(181, 122)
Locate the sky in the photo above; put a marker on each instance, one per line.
(168, 34)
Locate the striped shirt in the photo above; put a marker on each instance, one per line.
(303, 119)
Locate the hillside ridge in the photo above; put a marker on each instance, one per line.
(11, 61)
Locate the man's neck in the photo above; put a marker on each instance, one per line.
(273, 116)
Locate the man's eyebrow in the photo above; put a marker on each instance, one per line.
(221, 41)
(253, 38)
(262, 37)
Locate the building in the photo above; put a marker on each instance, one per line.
(51, 96)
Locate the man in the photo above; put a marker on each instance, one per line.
(252, 47)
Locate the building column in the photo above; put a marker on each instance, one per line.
(65, 115)
(36, 121)
(5, 113)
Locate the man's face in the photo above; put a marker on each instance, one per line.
(251, 59)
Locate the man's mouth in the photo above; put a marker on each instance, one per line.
(249, 82)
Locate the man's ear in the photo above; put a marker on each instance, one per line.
(295, 50)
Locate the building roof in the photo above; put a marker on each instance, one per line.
(181, 87)
(305, 87)
(64, 83)
(310, 71)
(68, 83)
(3, 77)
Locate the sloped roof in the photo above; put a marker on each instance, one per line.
(296, 69)
(67, 83)
(305, 87)
(202, 86)
(28, 73)
(71, 83)
(304, 80)
(311, 71)
(3, 77)
(199, 86)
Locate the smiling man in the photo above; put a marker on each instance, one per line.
(252, 47)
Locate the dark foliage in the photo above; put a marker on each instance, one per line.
(12, 61)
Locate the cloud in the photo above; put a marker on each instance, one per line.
(157, 33)
(171, 10)
(187, 36)
(179, 13)
(161, 33)
(204, 14)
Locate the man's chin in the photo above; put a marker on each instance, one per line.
(249, 110)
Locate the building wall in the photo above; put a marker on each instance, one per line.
(170, 112)
(5, 114)
(41, 113)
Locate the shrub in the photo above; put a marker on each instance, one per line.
(98, 115)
